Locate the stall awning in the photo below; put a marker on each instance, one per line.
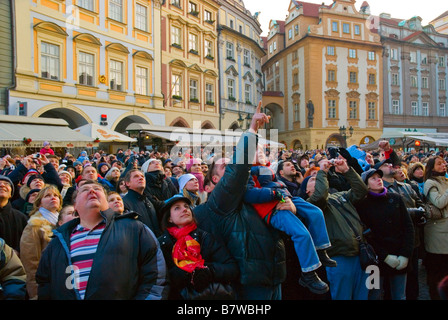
(189, 136)
(103, 133)
(13, 129)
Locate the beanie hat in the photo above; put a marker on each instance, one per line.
(303, 186)
(191, 162)
(30, 172)
(145, 165)
(34, 176)
(30, 193)
(5, 178)
(183, 179)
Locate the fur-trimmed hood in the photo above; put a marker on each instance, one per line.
(38, 221)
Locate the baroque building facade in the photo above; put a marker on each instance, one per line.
(323, 73)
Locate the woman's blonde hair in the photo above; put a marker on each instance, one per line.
(40, 196)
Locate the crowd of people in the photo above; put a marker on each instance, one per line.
(257, 225)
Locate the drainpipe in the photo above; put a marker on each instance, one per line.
(218, 28)
(13, 51)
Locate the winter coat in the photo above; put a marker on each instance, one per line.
(337, 207)
(158, 188)
(216, 257)
(258, 248)
(12, 274)
(35, 238)
(392, 231)
(293, 187)
(12, 223)
(436, 231)
(128, 263)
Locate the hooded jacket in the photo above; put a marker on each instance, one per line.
(128, 263)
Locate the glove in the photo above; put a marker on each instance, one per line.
(392, 261)
(403, 263)
(202, 277)
(277, 196)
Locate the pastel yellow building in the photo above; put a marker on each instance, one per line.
(189, 67)
(323, 73)
(89, 61)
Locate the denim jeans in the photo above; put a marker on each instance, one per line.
(397, 288)
(347, 280)
(303, 239)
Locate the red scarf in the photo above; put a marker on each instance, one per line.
(186, 251)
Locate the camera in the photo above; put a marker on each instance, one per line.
(332, 161)
(36, 156)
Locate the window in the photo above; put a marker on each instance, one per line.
(425, 82)
(330, 50)
(116, 10)
(176, 81)
(86, 4)
(116, 75)
(209, 93)
(230, 88)
(345, 28)
(207, 15)
(193, 90)
(425, 109)
(296, 112)
(176, 3)
(394, 54)
(247, 93)
(275, 45)
(414, 108)
(49, 61)
(371, 55)
(352, 53)
(413, 57)
(331, 75)
(357, 30)
(372, 110)
(442, 84)
(246, 57)
(424, 58)
(290, 33)
(334, 26)
(229, 50)
(192, 8)
(231, 24)
(442, 110)
(395, 79)
(141, 80)
(208, 48)
(295, 79)
(193, 42)
(270, 48)
(395, 107)
(295, 55)
(353, 110)
(414, 82)
(441, 61)
(296, 29)
(240, 27)
(372, 78)
(141, 17)
(353, 77)
(86, 67)
(176, 36)
(332, 109)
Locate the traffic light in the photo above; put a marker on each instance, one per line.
(417, 143)
(22, 108)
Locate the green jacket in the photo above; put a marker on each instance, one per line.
(342, 238)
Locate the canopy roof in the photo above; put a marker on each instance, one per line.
(103, 133)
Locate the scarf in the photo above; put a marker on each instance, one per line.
(438, 174)
(50, 216)
(381, 194)
(186, 251)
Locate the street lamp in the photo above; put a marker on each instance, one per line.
(343, 132)
(248, 121)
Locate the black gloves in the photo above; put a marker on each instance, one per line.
(202, 277)
(277, 195)
(418, 215)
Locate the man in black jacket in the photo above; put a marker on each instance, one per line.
(292, 178)
(136, 200)
(257, 248)
(117, 255)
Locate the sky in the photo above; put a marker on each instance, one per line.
(400, 9)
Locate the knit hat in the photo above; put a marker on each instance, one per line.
(367, 174)
(29, 173)
(46, 143)
(30, 193)
(34, 176)
(303, 186)
(183, 179)
(191, 162)
(145, 165)
(5, 178)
